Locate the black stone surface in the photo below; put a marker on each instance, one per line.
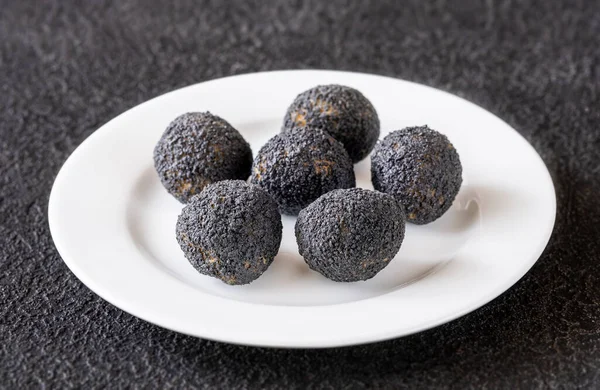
(67, 67)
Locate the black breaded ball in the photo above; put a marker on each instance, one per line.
(199, 148)
(341, 111)
(231, 231)
(297, 167)
(421, 168)
(350, 235)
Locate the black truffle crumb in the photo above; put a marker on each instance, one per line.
(421, 168)
(341, 111)
(199, 148)
(231, 231)
(297, 167)
(350, 235)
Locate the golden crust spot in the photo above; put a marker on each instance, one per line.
(246, 264)
(218, 152)
(442, 200)
(325, 107)
(207, 256)
(228, 279)
(416, 194)
(343, 227)
(188, 186)
(323, 167)
(411, 216)
(259, 170)
(298, 118)
(184, 185)
(257, 173)
(185, 238)
(367, 263)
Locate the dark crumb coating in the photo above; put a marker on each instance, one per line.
(350, 235)
(341, 111)
(297, 167)
(199, 148)
(231, 231)
(421, 168)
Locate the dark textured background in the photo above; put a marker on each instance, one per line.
(68, 67)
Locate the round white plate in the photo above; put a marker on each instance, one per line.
(114, 225)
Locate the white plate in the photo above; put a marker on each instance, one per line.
(113, 223)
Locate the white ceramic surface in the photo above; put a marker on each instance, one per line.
(113, 223)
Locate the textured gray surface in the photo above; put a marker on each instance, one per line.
(421, 168)
(343, 112)
(351, 234)
(231, 231)
(197, 149)
(68, 67)
(298, 166)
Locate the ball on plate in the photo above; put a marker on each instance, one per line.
(230, 231)
(297, 167)
(350, 235)
(343, 112)
(199, 148)
(421, 168)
